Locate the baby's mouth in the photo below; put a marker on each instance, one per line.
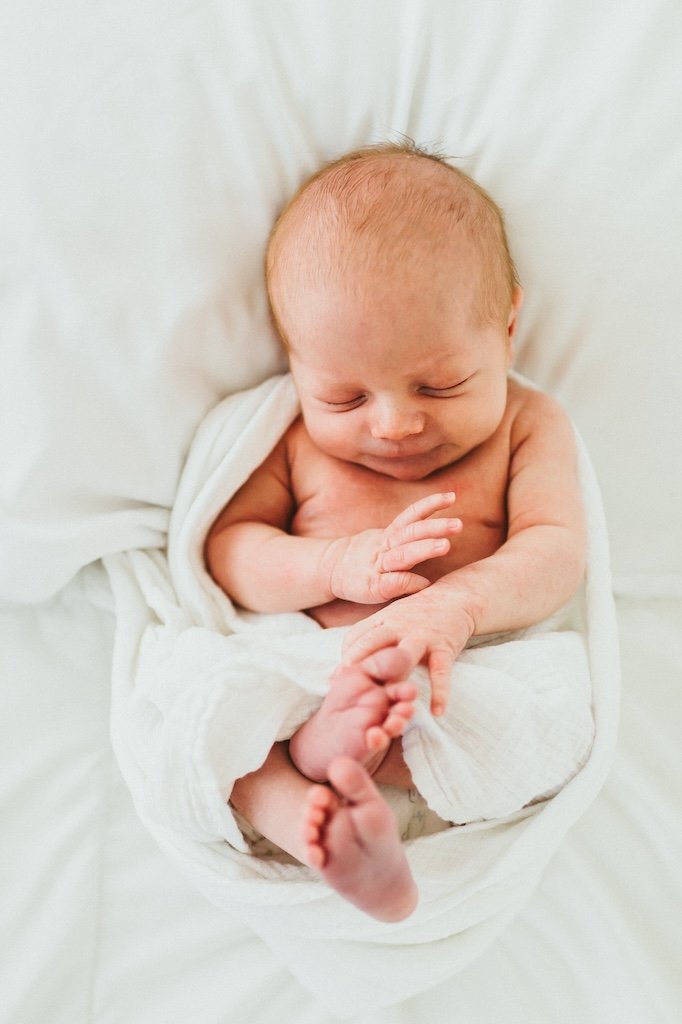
(401, 454)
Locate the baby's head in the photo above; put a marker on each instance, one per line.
(379, 214)
(390, 263)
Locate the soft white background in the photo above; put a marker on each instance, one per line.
(148, 146)
(145, 149)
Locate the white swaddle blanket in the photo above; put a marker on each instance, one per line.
(202, 691)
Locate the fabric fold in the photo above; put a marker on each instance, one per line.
(201, 691)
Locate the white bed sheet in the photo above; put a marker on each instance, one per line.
(147, 146)
(98, 928)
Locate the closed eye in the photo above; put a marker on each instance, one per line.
(448, 392)
(350, 403)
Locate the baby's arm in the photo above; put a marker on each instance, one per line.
(250, 554)
(542, 562)
(243, 550)
(531, 575)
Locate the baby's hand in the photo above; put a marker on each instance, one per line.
(433, 628)
(372, 567)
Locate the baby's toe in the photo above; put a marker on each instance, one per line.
(319, 799)
(311, 832)
(401, 691)
(315, 856)
(316, 815)
(376, 738)
(394, 725)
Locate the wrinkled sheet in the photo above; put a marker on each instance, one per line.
(99, 927)
(193, 709)
(147, 147)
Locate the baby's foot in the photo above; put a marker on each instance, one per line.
(359, 716)
(351, 837)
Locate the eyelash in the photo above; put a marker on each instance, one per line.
(342, 405)
(432, 392)
(428, 392)
(439, 392)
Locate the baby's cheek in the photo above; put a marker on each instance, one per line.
(334, 439)
(482, 422)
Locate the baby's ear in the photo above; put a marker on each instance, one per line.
(513, 318)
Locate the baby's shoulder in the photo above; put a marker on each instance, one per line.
(295, 432)
(303, 458)
(536, 415)
(530, 408)
(296, 442)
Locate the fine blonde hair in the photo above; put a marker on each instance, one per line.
(390, 202)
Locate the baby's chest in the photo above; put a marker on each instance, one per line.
(336, 499)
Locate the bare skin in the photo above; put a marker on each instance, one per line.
(346, 830)
(365, 709)
(352, 839)
(406, 407)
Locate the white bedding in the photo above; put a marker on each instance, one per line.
(201, 691)
(147, 148)
(147, 145)
(98, 927)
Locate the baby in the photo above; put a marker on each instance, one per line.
(422, 497)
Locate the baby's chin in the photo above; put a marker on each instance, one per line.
(412, 469)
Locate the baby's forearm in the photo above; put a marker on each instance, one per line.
(266, 570)
(529, 577)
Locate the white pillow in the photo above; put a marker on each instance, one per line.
(149, 153)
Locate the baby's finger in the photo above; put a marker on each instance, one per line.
(424, 529)
(399, 584)
(413, 552)
(440, 663)
(423, 508)
(390, 665)
(415, 648)
(357, 648)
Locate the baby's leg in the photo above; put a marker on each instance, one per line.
(273, 799)
(348, 833)
(368, 705)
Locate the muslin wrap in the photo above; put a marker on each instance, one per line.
(201, 691)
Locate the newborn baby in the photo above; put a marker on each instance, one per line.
(422, 496)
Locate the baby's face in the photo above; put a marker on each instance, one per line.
(399, 375)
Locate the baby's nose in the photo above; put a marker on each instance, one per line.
(393, 422)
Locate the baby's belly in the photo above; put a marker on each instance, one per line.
(342, 500)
